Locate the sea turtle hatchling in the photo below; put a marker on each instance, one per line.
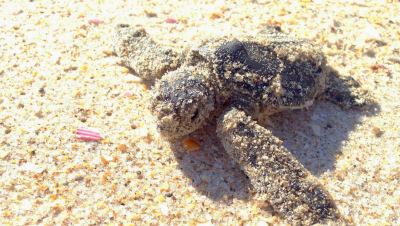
(239, 81)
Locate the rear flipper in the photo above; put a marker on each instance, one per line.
(139, 52)
(274, 173)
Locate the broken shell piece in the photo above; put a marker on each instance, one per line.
(95, 21)
(88, 134)
(190, 144)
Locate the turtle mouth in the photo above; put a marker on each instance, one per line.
(308, 103)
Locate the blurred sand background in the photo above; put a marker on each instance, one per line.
(58, 73)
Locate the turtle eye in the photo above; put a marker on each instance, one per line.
(195, 115)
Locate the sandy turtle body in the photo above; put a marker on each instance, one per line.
(238, 81)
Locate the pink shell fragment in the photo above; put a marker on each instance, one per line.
(128, 94)
(88, 134)
(171, 21)
(95, 21)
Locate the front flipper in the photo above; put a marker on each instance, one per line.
(139, 52)
(274, 172)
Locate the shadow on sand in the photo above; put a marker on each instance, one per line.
(211, 170)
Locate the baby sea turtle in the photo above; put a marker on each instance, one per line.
(239, 81)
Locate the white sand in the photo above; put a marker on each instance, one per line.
(57, 75)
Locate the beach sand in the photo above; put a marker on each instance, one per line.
(58, 73)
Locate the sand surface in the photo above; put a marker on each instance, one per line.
(58, 73)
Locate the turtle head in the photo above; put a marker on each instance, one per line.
(182, 103)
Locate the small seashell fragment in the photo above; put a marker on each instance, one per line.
(377, 132)
(122, 148)
(95, 21)
(128, 94)
(103, 160)
(215, 15)
(88, 134)
(190, 144)
(171, 21)
(150, 13)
